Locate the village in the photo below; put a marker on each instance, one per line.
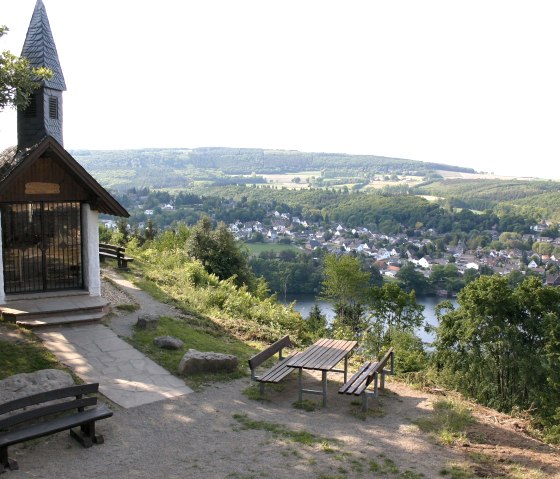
(424, 248)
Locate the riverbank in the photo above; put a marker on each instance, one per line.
(304, 303)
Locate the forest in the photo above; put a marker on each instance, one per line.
(181, 167)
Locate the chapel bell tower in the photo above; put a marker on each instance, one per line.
(43, 116)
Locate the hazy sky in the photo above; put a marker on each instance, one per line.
(470, 83)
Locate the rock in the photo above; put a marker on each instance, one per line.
(196, 361)
(168, 342)
(25, 384)
(147, 321)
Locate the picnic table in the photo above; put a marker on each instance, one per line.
(322, 356)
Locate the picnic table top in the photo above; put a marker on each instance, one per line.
(323, 355)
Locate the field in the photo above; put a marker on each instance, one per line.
(285, 180)
(256, 248)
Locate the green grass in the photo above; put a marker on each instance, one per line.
(256, 248)
(194, 338)
(448, 422)
(384, 466)
(280, 431)
(306, 405)
(25, 357)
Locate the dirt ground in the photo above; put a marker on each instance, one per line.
(219, 432)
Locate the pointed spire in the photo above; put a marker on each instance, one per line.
(39, 47)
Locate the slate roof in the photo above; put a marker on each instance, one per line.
(10, 158)
(39, 47)
(12, 162)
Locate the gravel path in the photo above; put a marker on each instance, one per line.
(197, 436)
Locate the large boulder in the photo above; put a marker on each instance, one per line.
(196, 361)
(168, 342)
(26, 384)
(147, 321)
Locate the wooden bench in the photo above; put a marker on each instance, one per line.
(277, 372)
(20, 422)
(114, 252)
(369, 373)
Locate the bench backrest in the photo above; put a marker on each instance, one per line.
(73, 394)
(276, 347)
(109, 248)
(389, 356)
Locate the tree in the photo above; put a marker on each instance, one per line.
(18, 79)
(412, 280)
(501, 346)
(316, 322)
(218, 252)
(346, 285)
(392, 309)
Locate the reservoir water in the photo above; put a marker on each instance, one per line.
(305, 303)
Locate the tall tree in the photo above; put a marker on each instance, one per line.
(218, 252)
(392, 309)
(18, 79)
(501, 345)
(346, 285)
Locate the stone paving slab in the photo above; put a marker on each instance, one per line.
(125, 375)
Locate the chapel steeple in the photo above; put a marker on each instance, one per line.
(43, 116)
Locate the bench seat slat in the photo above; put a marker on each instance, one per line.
(356, 378)
(278, 372)
(55, 425)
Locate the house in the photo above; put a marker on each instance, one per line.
(49, 204)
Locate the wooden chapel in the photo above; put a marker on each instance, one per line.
(49, 204)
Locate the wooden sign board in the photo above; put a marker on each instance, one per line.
(38, 188)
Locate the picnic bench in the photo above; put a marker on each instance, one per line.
(323, 355)
(56, 410)
(369, 373)
(115, 252)
(277, 372)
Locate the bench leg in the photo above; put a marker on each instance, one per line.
(364, 401)
(87, 437)
(261, 388)
(324, 378)
(300, 385)
(5, 462)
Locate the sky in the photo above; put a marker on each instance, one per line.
(469, 83)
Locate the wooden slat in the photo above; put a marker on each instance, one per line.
(276, 373)
(310, 353)
(55, 425)
(261, 357)
(48, 396)
(360, 388)
(361, 380)
(336, 354)
(46, 411)
(364, 379)
(325, 354)
(112, 247)
(343, 389)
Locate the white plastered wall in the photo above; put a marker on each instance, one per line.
(2, 293)
(90, 232)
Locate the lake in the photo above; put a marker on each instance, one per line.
(304, 304)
